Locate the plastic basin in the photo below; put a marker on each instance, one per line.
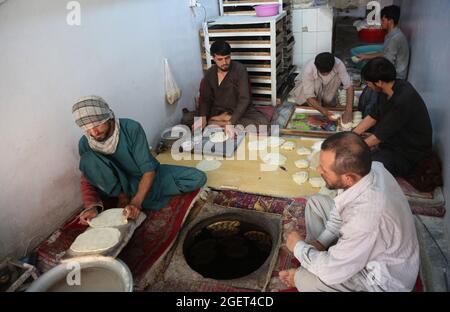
(267, 10)
(372, 35)
(373, 48)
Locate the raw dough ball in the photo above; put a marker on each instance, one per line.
(218, 137)
(288, 146)
(346, 126)
(314, 160)
(300, 177)
(356, 59)
(96, 240)
(317, 182)
(302, 164)
(208, 165)
(317, 146)
(303, 151)
(109, 218)
(274, 159)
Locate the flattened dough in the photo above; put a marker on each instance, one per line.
(109, 218)
(317, 182)
(314, 160)
(96, 240)
(300, 177)
(317, 146)
(209, 165)
(288, 146)
(274, 141)
(302, 164)
(274, 159)
(303, 151)
(257, 145)
(218, 137)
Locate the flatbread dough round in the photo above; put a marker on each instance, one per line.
(303, 151)
(288, 146)
(317, 182)
(209, 165)
(218, 137)
(300, 177)
(302, 164)
(96, 240)
(257, 145)
(274, 141)
(314, 160)
(109, 218)
(317, 146)
(274, 159)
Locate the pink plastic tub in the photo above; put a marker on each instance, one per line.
(267, 9)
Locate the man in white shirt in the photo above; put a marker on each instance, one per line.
(319, 82)
(364, 239)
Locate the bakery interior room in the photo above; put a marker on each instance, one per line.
(224, 146)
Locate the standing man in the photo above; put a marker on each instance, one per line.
(225, 92)
(395, 49)
(364, 239)
(319, 83)
(403, 133)
(115, 161)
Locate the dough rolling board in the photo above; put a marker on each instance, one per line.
(225, 149)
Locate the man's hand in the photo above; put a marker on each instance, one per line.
(229, 130)
(131, 212)
(88, 215)
(292, 240)
(199, 123)
(222, 117)
(347, 117)
(316, 244)
(123, 200)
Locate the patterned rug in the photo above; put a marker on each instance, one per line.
(293, 219)
(292, 211)
(153, 239)
(150, 241)
(430, 204)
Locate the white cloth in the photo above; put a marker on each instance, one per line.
(377, 240)
(311, 84)
(109, 146)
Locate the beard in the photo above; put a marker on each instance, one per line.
(338, 185)
(225, 68)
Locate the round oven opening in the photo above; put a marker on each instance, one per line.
(227, 247)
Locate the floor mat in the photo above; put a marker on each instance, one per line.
(292, 211)
(148, 244)
(430, 204)
(154, 238)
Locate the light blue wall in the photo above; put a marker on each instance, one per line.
(45, 65)
(427, 26)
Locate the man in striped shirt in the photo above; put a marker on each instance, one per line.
(364, 239)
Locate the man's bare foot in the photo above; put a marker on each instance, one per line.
(287, 277)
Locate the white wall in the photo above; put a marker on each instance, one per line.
(45, 65)
(427, 25)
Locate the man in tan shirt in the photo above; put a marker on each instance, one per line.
(319, 82)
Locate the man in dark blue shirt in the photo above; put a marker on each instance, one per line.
(403, 132)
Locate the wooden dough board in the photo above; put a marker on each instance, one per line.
(246, 176)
